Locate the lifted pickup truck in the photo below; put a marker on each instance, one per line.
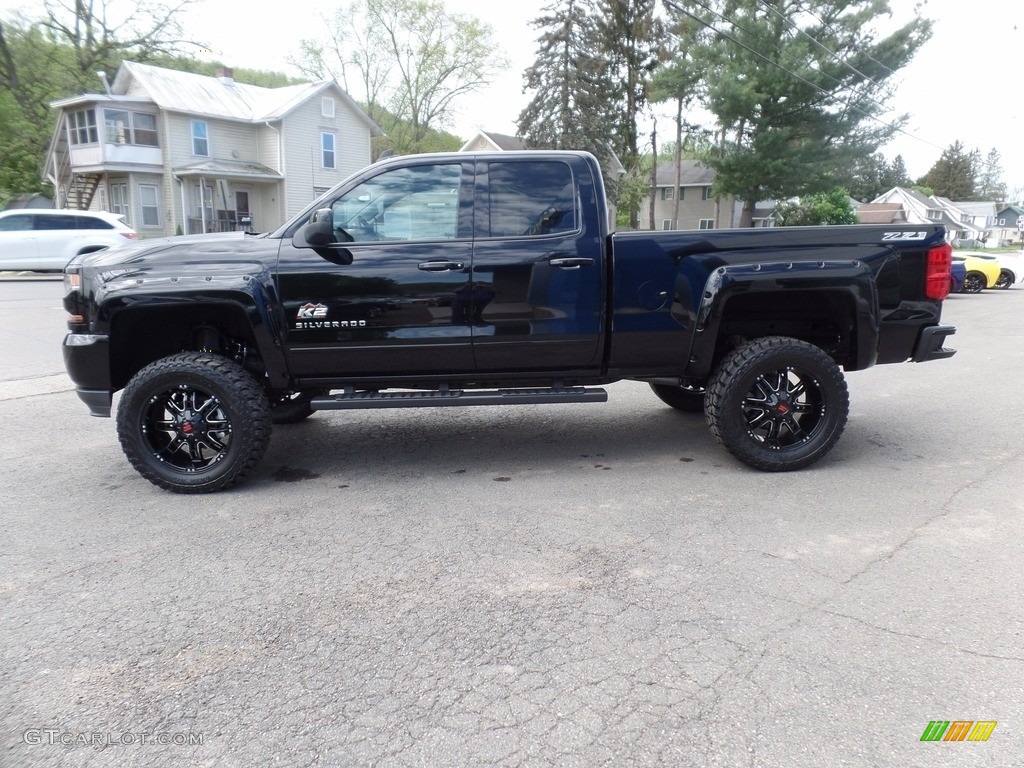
(490, 279)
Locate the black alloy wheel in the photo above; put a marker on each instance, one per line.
(1006, 279)
(777, 404)
(193, 422)
(974, 282)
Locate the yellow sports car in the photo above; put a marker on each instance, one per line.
(981, 272)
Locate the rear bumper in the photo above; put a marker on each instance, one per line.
(929, 344)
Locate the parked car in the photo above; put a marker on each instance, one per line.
(1011, 268)
(44, 240)
(957, 273)
(982, 271)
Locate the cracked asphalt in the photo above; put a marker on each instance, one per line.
(578, 585)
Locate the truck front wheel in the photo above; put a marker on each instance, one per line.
(777, 403)
(193, 422)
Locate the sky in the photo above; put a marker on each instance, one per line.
(960, 86)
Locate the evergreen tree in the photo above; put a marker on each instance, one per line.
(630, 36)
(570, 108)
(953, 174)
(798, 87)
(989, 184)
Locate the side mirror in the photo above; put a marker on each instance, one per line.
(319, 232)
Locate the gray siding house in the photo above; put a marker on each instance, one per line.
(179, 153)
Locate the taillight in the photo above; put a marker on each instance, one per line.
(129, 235)
(936, 278)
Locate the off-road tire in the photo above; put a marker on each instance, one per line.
(777, 404)
(689, 399)
(193, 422)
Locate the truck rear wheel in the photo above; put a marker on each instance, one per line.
(689, 399)
(193, 422)
(777, 403)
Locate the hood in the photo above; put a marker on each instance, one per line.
(181, 249)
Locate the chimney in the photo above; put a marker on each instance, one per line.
(226, 75)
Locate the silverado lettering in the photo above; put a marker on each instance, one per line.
(490, 279)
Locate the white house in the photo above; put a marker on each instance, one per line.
(176, 152)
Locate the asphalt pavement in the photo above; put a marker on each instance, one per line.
(572, 585)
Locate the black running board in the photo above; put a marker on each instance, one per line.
(457, 397)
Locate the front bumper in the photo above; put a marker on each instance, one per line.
(929, 344)
(87, 360)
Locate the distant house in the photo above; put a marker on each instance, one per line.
(1009, 223)
(698, 208)
(971, 224)
(488, 141)
(176, 152)
(881, 213)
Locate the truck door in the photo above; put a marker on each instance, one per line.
(536, 300)
(379, 298)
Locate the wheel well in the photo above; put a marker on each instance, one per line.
(822, 318)
(140, 336)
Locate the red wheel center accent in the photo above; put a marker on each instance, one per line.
(187, 428)
(783, 409)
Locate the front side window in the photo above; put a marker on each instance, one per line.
(149, 203)
(327, 150)
(415, 203)
(535, 197)
(200, 140)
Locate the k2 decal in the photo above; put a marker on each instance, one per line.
(313, 316)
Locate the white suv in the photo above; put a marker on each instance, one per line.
(43, 239)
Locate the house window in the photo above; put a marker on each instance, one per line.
(327, 106)
(149, 203)
(666, 193)
(119, 201)
(82, 127)
(124, 127)
(706, 224)
(200, 139)
(666, 223)
(1002, 222)
(706, 195)
(682, 192)
(144, 128)
(327, 149)
(204, 201)
(934, 215)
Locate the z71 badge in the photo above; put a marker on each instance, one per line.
(313, 316)
(904, 236)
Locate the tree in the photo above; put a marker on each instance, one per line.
(630, 36)
(679, 81)
(410, 59)
(989, 184)
(571, 107)
(59, 55)
(872, 175)
(798, 87)
(954, 173)
(832, 207)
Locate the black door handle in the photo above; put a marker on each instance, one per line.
(440, 266)
(571, 262)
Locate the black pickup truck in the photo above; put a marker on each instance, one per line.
(489, 279)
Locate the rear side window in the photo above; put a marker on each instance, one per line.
(50, 221)
(530, 198)
(91, 222)
(18, 223)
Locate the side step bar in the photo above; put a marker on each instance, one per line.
(457, 397)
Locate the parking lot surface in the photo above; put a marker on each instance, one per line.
(577, 585)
